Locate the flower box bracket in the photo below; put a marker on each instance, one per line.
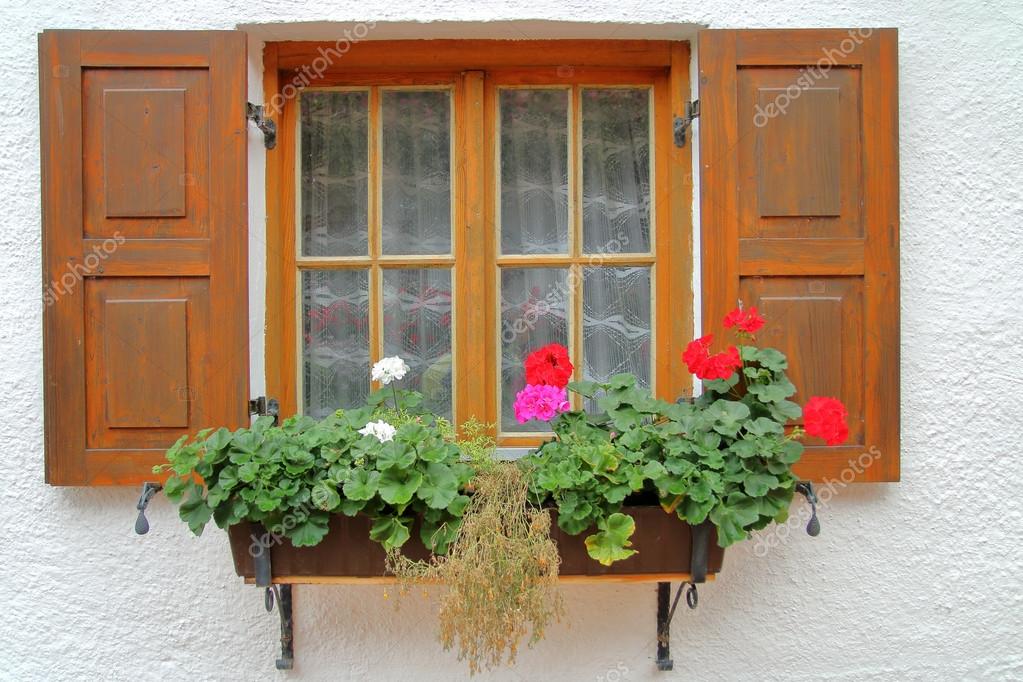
(281, 596)
(700, 539)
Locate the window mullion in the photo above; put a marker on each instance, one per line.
(473, 295)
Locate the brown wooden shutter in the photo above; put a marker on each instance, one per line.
(144, 246)
(800, 217)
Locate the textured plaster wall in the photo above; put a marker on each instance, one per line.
(918, 580)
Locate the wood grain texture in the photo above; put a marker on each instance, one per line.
(143, 172)
(800, 217)
(146, 359)
(441, 55)
(145, 229)
(663, 545)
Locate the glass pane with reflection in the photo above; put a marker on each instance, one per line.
(335, 340)
(534, 312)
(616, 170)
(417, 327)
(616, 323)
(534, 171)
(334, 213)
(416, 171)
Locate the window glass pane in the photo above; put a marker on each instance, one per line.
(534, 171)
(417, 326)
(534, 312)
(616, 170)
(334, 174)
(335, 340)
(616, 323)
(416, 170)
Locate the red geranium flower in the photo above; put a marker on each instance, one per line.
(696, 353)
(549, 366)
(721, 365)
(733, 318)
(825, 418)
(747, 320)
(700, 362)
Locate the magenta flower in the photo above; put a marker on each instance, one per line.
(540, 402)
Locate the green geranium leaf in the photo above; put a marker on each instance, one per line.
(439, 487)
(774, 392)
(362, 485)
(247, 472)
(587, 389)
(351, 507)
(790, 451)
(458, 505)
(310, 531)
(617, 493)
(325, 496)
(437, 537)
(785, 410)
(175, 487)
(396, 455)
(625, 418)
(389, 531)
(772, 359)
(623, 380)
(694, 512)
(757, 485)
(194, 511)
(721, 386)
(229, 513)
(397, 486)
(745, 448)
(611, 542)
(762, 426)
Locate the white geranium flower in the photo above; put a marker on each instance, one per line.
(380, 430)
(389, 369)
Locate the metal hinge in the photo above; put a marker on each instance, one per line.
(684, 123)
(266, 407)
(257, 114)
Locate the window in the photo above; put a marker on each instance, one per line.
(432, 194)
(462, 219)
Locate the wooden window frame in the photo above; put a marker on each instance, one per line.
(476, 67)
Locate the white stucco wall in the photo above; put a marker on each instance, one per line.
(918, 580)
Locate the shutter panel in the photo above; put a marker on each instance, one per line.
(800, 217)
(144, 246)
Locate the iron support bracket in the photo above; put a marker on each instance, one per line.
(281, 596)
(698, 555)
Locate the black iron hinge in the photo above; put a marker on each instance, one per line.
(684, 123)
(266, 407)
(257, 114)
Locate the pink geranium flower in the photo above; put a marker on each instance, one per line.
(541, 402)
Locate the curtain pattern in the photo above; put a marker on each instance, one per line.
(334, 176)
(335, 341)
(416, 171)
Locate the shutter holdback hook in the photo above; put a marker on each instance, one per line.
(149, 490)
(257, 114)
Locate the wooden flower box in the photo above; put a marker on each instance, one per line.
(666, 552)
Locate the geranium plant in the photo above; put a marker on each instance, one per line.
(388, 459)
(725, 456)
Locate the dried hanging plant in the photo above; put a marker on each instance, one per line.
(501, 572)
